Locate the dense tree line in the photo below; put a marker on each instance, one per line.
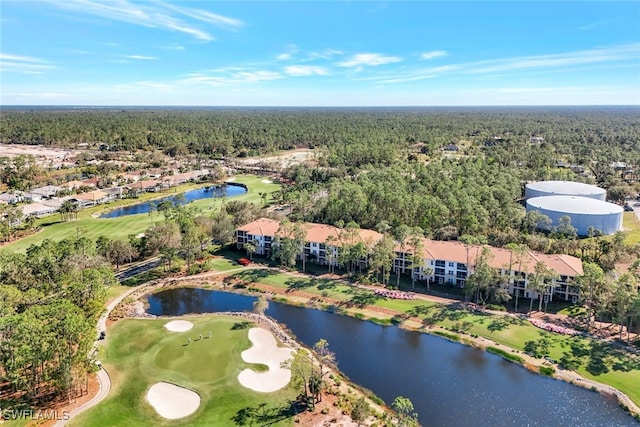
(50, 300)
(580, 134)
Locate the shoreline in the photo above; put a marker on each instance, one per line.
(298, 298)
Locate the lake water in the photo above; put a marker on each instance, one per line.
(449, 384)
(214, 191)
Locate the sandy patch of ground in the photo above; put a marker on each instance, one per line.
(266, 181)
(265, 351)
(171, 401)
(179, 325)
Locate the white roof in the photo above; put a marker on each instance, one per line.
(566, 188)
(574, 205)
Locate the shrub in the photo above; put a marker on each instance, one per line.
(547, 370)
(505, 354)
(496, 307)
(447, 335)
(381, 322)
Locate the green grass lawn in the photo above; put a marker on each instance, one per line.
(120, 228)
(140, 353)
(115, 291)
(631, 225)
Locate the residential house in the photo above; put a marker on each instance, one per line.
(41, 193)
(92, 182)
(91, 198)
(12, 198)
(145, 186)
(72, 185)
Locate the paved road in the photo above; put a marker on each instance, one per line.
(103, 376)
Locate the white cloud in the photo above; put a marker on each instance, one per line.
(305, 70)
(23, 64)
(433, 54)
(284, 56)
(371, 59)
(140, 57)
(232, 78)
(151, 15)
(208, 17)
(173, 47)
(598, 55)
(291, 51)
(324, 54)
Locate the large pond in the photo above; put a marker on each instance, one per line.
(450, 384)
(225, 190)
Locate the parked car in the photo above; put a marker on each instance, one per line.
(244, 261)
(637, 205)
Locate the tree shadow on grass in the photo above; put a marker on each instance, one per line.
(263, 415)
(498, 324)
(364, 298)
(294, 284)
(325, 284)
(598, 359)
(420, 310)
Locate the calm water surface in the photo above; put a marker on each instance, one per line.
(213, 191)
(449, 384)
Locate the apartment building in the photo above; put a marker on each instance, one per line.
(443, 262)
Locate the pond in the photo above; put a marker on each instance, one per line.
(449, 384)
(214, 191)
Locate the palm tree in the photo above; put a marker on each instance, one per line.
(66, 209)
(251, 248)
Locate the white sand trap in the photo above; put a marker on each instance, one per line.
(171, 401)
(266, 181)
(265, 351)
(179, 325)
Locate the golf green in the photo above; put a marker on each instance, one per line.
(142, 352)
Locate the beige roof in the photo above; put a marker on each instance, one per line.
(92, 195)
(77, 184)
(145, 184)
(261, 227)
(318, 233)
(455, 251)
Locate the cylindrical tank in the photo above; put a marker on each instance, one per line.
(584, 212)
(563, 188)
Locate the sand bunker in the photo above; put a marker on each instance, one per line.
(265, 351)
(266, 181)
(171, 401)
(179, 325)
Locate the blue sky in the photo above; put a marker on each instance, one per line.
(324, 53)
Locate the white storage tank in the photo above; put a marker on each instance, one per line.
(563, 188)
(584, 212)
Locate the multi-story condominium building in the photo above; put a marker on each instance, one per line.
(452, 262)
(321, 245)
(445, 262)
